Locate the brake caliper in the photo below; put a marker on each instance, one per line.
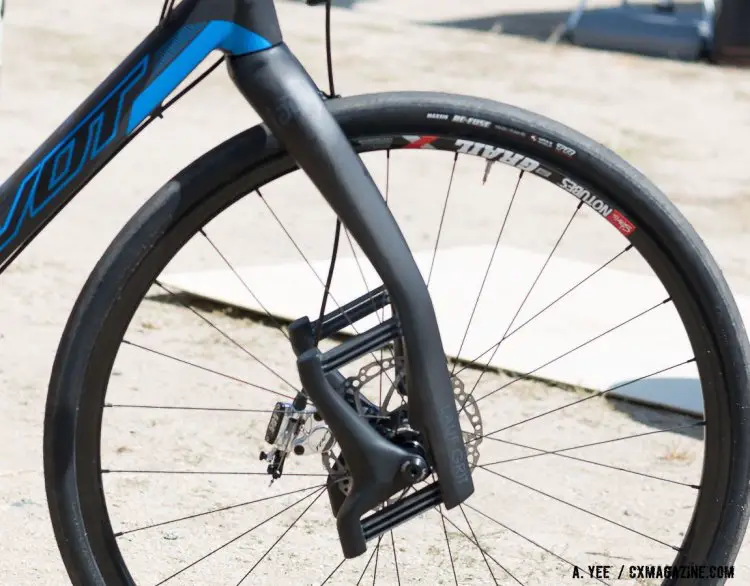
(301, 432)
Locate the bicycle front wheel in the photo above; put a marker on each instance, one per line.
(158, 404)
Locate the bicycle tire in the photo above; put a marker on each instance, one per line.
(652, 224)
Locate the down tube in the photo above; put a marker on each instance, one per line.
(100, 127)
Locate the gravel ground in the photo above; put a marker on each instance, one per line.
(682, 124)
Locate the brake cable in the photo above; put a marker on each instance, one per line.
(166, 10)
(337, 230)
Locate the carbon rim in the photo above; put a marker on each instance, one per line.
(714, 467)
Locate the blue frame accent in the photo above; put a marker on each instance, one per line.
(172, 62)
(217, 34)
(26, 192)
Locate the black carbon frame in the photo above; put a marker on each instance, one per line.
(100, 127)
(285, 97)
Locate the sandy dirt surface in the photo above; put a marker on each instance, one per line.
(684, 125)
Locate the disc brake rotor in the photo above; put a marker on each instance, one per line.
(469, 415)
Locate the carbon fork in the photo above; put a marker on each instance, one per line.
(290, 104)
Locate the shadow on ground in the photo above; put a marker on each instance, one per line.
(683, 392)
(534, 25)
(540, 26)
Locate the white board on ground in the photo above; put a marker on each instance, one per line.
(639, 348)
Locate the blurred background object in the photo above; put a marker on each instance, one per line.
(732, 35)
(660, 29)
(702, 30)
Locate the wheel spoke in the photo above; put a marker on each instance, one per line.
(387, 200)
(395, 559)
(584, 461)
(576, 507)
(309, 264)
(569, 352)
(377, 312)
(442, 219)
(360, 270)
(336, 569)
(504, 526)
(291, 239)
(177, 408)
(377, 557)
(448, 545)
(481, 550)
(369, 561)
(234, 539)
(219, 510)
(244, 284)
(376, 552)
(381, 312)
(287, 530)
(475, 544)
(303, 255)
(489, 266)
(207, 409)
(546, 307)
(600, 443)
(584, 399)
(205, 368)
(504, 337)
(224, 334)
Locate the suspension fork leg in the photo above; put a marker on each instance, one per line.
(277, 86)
